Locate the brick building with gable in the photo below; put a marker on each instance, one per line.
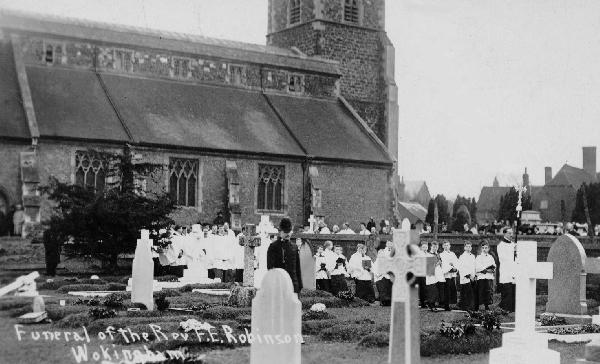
(242, 128)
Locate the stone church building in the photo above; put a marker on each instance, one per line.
(307, 124)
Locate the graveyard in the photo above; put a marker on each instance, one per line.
(95, 318)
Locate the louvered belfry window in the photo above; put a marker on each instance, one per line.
(351, 11)
(294, 11)
(271, 180)
(90, 171)
(183, 181)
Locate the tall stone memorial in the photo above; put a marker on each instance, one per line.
(566, 290)
(519, 346)
(143, 272)
(307, 266)
(276, 313)
(250, 240)
(406, 265)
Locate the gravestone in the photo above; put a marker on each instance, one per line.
(38, 313)
(566, 290)
(142, 272)
(249, 241)
(38, 304)
(519, 346)
(404, 344)
(276, 312)
(312, 222)
(23, 285)
(592, 266)
(307, 267)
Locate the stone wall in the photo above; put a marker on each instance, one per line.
(10, 182)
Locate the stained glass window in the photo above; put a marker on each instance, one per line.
(183, 181)
(90, 171)
(271, 181)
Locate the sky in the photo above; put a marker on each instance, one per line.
(485, 87)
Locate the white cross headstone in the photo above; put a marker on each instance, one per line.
(518, 346)
(24, 285)
(142, 272)
(404, 329)
(312, 222)
(249, 241)
(276, 315)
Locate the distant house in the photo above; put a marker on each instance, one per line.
(412, 211)
(555, 199)
(415, 191)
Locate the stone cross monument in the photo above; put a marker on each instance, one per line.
(249, 241)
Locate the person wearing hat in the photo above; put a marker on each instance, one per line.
(283, 254)
(506, 256)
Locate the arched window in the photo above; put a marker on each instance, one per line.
(271, 181)
(183, 181)
(295, 11)
(351, 12)
(90, 171)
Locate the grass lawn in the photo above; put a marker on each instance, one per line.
(342, 349)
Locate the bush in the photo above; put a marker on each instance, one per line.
(101, 313)
(161, 301)
(113, 301)
(74, 320)
(314, 293)
(575, 330)
(347, 332)
(379, 339)
(56, 312)
(481, 341)
(225, 313)
(87, 302)
(346, 295)
(552, 320)
(221, 285)
(316, 315)
(241, 296)
(314, 327)
(332, 302)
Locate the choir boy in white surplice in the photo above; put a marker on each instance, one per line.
(383, 281)
(449, 266)
(466, 272)
(178, 246)
(485, 268)
(359, 267)
(506, 279)
(322, 276)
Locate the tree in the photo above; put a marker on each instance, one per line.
(592, 192)
(106, 223)
(461, 217)
(508, 205)
(470, 204)
(443, 214)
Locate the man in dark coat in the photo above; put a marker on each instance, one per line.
(283, 254)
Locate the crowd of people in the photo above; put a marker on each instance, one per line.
(368, 228)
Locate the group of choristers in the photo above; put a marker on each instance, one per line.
(332, 268)
(472, 275)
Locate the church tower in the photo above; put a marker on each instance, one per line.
(351, 32)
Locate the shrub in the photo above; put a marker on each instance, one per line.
(347, 332)
(241, 296)
(314, 327)
(113, 301)
(221, 285)
(575, 330)
(199, 307)
(314, 293)
(489, 320)
(162, 303)
(316, 315)
(482, 340)
(225, 313)
(346, 295)
(87, 302)
(74, 320)
(101, 313)
(56, 312)
(379, 339)
(457, 329)
(332, 302)
(552, 320)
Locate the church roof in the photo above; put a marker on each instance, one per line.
(412, 188)
(50, 25)
(489, 198)
(416, 211)
(12, 116)
(571, 176)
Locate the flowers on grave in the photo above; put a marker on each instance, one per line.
(457, 329)
(113, 301)
(346, 295)
(198, 307)
(161, 301)
(318, 307)
(161, 239)
(101, 313)
(576, 330)
(87, 302)
(195, 325)
(552, 320)
(489, 320)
